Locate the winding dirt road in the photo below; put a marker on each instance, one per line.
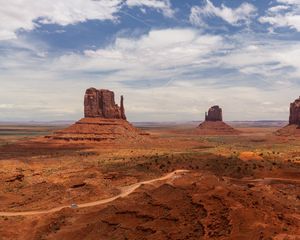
(125, 191)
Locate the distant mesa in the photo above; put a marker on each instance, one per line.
(214, 114)
(214, 125)
(103, 120)
(293, 128)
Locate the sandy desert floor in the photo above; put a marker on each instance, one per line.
(174, 185)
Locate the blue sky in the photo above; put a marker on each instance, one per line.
(171, 59)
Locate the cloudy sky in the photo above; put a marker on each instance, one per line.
(171, 59)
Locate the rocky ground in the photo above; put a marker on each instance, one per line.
(236, 187)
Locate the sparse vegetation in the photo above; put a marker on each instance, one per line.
(58, 174)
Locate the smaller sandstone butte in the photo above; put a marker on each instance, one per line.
(214, 114)
(293, 128)
(214, 125)
(103, 120)
(101, 103)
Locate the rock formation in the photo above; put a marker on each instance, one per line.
(101, 103)
(214, 125)
(295, 112)
(103, 120)
(293, 128)
(214, 114)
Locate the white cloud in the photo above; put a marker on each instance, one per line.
(167, 74)
(155, 55)
(278, 8)
(173, 61)
(285, 14)
(27, 15)
(259, 57)
(233, 16)
(161, 5)
(289, 1)
(6, 106)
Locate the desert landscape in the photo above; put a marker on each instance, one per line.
(104, 178)
(149, 120)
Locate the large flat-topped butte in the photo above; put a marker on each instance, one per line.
(293, 128)
(214, 125)
(104, 120)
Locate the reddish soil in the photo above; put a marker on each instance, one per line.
(216, 128)
(236, 187)
(289, 130)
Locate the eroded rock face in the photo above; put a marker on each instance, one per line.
(295, 112)
(214, 114)
(101, 103)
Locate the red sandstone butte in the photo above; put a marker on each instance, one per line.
(103, 120)
(101, 103)
(293, 128)
(214, 114)
(214, 125)
(295, 112)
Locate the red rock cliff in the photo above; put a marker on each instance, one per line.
(214, 114)
(101, 103)
(295, 112)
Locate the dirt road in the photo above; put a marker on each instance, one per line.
(125, 191)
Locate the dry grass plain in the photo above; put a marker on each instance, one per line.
(236, 187)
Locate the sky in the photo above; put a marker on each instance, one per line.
(171, 59)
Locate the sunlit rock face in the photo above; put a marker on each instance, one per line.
(101, 103)
(295, 112)
(104, 121)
